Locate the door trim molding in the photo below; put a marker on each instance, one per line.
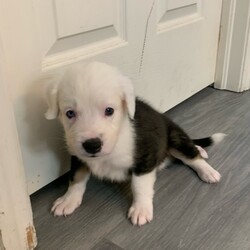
(233, 61)
(17, 229)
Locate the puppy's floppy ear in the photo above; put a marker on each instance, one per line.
(129, 96)
(51, 96)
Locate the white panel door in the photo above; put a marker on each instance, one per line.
(168, 48)
(180, 50)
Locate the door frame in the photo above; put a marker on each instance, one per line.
(17, 230)
(233, 60)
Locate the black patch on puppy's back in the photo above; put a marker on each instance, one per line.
(151, 138)
(155, 136)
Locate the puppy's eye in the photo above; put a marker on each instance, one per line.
(70, 114)
(109, 111)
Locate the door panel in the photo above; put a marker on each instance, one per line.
(180, 52)
(88, 15)
(172, 12)
(78, 29)
(167, 47)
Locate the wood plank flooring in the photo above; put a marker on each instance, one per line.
(188, 214)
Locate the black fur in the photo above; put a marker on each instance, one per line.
(155, 136)
(75, 165)
(151, 138)
(204, 142)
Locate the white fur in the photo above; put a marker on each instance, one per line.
(72, 199)
(82, 91)
(202, 152)
(202, 168)
(115, 165)
(141, 210)
(218, 137)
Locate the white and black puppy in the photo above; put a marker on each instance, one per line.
(113, 135)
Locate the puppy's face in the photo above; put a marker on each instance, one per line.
(91, 117)
(92, 102)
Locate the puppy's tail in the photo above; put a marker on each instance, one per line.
(209, 141)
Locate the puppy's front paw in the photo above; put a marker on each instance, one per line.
(66, 204)
(140, 214)
(210, 175)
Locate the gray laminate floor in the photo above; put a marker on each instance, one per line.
(188, 214)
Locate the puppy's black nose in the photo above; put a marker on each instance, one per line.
(92, 146)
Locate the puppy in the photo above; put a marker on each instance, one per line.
(113, 135)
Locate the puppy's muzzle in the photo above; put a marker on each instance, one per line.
(92, 146)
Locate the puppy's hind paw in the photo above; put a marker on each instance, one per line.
(210, 175)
